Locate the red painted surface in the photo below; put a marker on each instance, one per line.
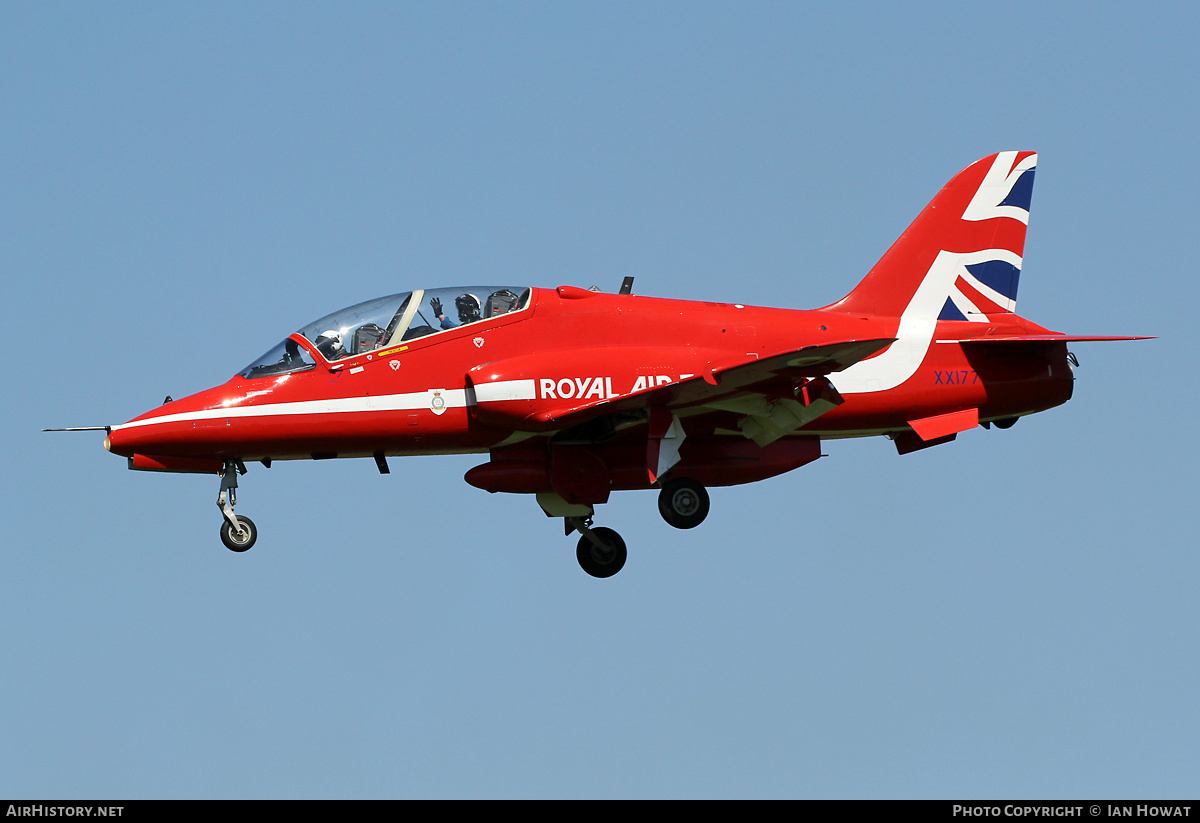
(572, 391)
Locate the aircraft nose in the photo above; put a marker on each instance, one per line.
(150, 435)
(176, 428)
(120, 442)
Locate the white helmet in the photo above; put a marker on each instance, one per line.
(330, 344)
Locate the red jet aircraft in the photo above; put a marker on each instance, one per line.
(573, 394)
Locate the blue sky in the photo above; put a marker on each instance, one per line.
(1012, 615)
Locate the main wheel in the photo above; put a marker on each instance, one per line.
(239, 542)
(683, 503)
(601, 562)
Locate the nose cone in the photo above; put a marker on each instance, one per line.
(121, 442)
(177, 428)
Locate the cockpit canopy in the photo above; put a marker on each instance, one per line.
(387, 321)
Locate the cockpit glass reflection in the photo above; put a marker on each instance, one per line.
(385, 321)
(285, 358)
(359, 328)
(444, 309)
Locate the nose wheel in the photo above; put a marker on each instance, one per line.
(237, 533)
(600, 551)
(239, 541)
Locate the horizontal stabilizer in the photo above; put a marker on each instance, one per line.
(1044, 338)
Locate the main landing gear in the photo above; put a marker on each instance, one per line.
(601, 552)
(683, 503)
(237, 533)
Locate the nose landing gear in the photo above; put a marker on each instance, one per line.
(239, 541)
(237, 533)
(600, 552)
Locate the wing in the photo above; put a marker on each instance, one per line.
(771, 390)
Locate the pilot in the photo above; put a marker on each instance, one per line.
(501, 302)
(329, 343)
(468, 310)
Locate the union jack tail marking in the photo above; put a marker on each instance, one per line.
(959, 260)
(976, 227)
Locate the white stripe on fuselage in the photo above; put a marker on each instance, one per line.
(506, 390)
(408, 401)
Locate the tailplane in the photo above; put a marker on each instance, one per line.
(961, 258)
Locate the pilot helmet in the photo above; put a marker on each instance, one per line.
(468, 307)
(501, 302)
(329, 343)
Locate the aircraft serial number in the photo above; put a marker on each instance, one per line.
(955, 378)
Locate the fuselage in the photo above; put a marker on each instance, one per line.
(568, 348)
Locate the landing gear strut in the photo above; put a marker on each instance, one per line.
(683, 503)
(237, 533)
(601, 552)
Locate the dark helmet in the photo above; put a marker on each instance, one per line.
(468, 307)
(501, 302)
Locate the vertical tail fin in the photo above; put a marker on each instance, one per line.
(961, 258)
